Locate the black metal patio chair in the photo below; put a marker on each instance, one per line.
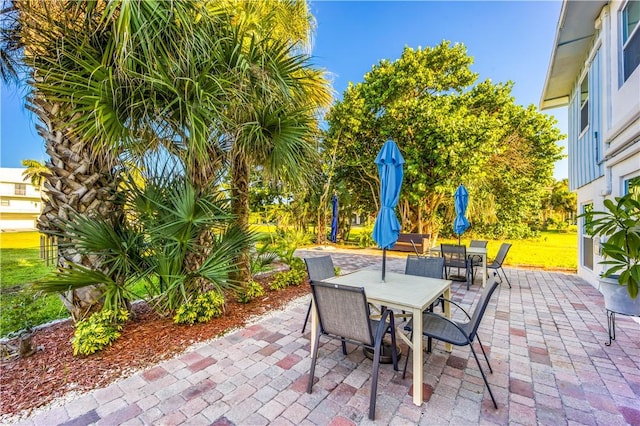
(431, 267)
(441, 328)
(318, 268)
(496, 265)
(343, 314)
(455, 257)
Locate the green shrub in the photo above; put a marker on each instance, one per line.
(262, 257)
(24, 309)
(365, 237)
(285, 279)
(297, 264)
(98, 331)
(336, 271)
(206, 306)
(250, 292)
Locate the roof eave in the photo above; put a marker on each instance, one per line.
(574, 35)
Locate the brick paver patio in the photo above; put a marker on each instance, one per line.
(545, 339)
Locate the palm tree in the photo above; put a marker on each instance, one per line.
(36, 172)
(134, 76)
(79, 178)
(109, 79)
(274, 124)
(165, 217)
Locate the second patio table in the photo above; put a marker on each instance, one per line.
(409, 293)
(475, 251)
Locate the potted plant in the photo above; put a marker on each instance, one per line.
(619, 229)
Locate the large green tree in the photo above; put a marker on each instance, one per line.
(448, 127)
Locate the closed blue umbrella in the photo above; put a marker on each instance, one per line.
(334, 218)
(460, 202)
(387, 227)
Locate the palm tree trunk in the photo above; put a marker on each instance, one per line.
(80, 182)
(202, 175)
(240, 175)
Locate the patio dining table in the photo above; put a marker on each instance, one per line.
(473, 251)
(409, 293)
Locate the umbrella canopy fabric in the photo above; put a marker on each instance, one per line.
(460, 201)
(334, 219)
(387, 227)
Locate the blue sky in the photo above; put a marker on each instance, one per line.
(509, 40)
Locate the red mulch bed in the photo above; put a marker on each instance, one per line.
(53, 371)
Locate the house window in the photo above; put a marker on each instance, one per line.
(630, 38)
(20, 189)
(4, 203)
(584, 103)
(632, 185)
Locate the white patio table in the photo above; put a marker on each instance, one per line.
(409, 293)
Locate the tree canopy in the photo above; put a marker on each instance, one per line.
(451, 129)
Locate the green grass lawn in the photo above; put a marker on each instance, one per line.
(552, 250)
(20, 264)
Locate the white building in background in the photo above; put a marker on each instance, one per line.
(20, 201)
(595, 72)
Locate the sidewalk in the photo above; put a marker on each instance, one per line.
(545, 340)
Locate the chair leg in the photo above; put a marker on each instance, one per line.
(344, 346)
(406, 361)
(394, 351)
(306, 318)
(314, 357)
(505, 276)
(374, 381)
(484, 353)
(484, 377)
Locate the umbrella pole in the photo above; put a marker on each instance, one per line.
(384, 262)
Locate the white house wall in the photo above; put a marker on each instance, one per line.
(600, 165)
(17, 211)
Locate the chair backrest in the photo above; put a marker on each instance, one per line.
(454, 255)
(478, 243)
(343, 311)
(320, 268)
(502, 253)
(424, 266)
(481, 307)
